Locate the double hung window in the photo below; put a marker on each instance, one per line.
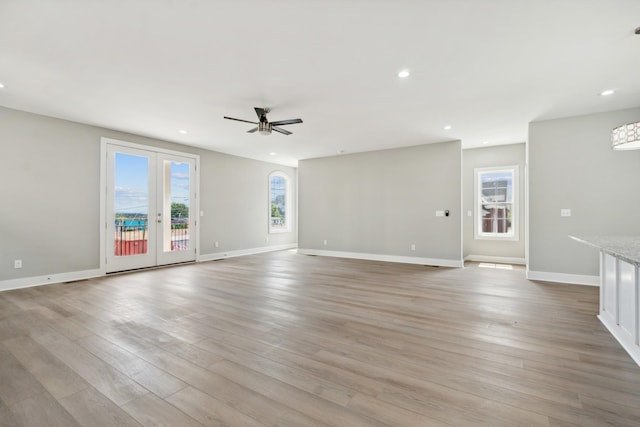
(496, 203)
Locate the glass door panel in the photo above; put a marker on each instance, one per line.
(130, 209)
(177, 193)
(131, 205)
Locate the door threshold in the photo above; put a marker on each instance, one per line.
(153, 267)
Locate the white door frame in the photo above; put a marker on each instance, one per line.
(104, 142)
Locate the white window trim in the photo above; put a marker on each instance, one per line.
(515, 215)
(287, 206)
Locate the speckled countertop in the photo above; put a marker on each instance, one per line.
(627, 248)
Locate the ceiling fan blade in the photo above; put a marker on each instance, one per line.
(240, 120)
(286, 122)
(252, 130)
(282, 131)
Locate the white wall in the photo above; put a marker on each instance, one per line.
(50, 197)
(572, 165)
(379, 203)
(482, 249)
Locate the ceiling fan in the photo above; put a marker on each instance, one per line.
(265, 126)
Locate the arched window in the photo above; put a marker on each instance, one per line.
(279, 203)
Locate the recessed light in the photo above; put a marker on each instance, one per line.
(182, 131)
(272, 153)
(607, 92)
(404, 74)
(447, 127)
(2, 86)
(485, 142)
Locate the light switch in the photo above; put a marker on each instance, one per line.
(565, 212)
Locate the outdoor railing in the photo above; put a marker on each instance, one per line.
(132, 237)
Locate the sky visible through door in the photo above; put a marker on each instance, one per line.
(132, 186)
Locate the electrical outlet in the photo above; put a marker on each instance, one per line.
(324, 242)
(216, 244)
(413, 246)
(266, 239)
(565, 212)
(439, 213)
(17, 263)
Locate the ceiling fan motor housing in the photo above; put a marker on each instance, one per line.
(264, 128)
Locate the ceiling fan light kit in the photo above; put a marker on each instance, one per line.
(264, 128)
(264, 125)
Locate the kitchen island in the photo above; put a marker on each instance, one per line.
(619, 290)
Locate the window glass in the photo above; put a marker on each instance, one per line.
(279, 220)
(495, 203)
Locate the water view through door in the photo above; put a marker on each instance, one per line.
(149, 216)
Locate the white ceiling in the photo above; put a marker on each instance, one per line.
(153, 67)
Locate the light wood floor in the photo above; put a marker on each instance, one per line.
(291, 340)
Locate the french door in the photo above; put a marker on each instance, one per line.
(150, 208)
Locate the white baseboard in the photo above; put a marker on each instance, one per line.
(27, 282)
(574, 279)
(386, 258)
(495, 259)
(243, 252)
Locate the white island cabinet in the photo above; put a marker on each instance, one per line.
(619, 288)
